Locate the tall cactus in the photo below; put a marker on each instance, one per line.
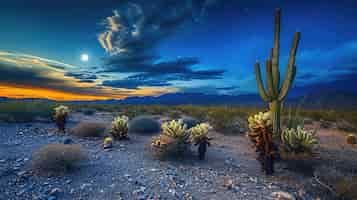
(275, 92)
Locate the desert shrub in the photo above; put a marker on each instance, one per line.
(226, 120)
(119, 129)
(175, 114)
(293, 119)
(345, 126)
(88, 129)
(190, 122)
(340, 183)
(60, 116)
(17, 111)
(298, 140)
(144, 125)
(88, 111)
(351, 139)
(173, 141)
(57, 158)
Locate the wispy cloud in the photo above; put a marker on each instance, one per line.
(131, 37)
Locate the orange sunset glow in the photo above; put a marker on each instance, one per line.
(30, 92)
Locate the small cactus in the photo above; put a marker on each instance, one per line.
(298, 140)
(119, 129)
(173, 141)
(175, 129)
(199, 136)
(351, 139)
(108, 143)
(60, 117)
(262, 137)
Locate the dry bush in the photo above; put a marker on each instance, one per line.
(144, 125)
(341, 183)
(57, 158)
(89, 129)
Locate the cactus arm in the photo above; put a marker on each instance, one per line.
(275, 52)
(261, 89)
(291, 71)
(270, 86)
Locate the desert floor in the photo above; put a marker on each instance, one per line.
(130, 171)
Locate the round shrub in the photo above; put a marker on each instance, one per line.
(144, 125)
(88, 129)
(57, 158)
(190, 122)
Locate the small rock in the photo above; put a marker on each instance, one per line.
(85, 185)
(54, 192)
(52, 198)
(228, 183)
(173, 192)
(280, 195)
(67, 141)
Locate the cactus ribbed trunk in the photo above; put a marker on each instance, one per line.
(275, 92)
(275, 109)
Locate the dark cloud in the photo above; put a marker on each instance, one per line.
(162, 73)
(132, 35)
(227, 88)
(135, 83)
(84, 77)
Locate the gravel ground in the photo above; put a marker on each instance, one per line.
(129, 171)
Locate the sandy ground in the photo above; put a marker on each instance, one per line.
(130, 171)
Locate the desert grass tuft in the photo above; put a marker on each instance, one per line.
(89, 129)
(57, 158)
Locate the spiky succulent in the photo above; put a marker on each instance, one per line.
(60, 117)
(199, 132)
(61, 111)
(298, 140)
(120, 127)
(175, 129)
(108, 140)
(259, 122)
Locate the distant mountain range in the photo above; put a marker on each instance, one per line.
(325, 100)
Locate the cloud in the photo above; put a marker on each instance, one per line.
(131, 37)
(84, 77)
(163, 73)
(30, 76)
(326, 65)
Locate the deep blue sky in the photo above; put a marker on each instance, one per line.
(209, 46)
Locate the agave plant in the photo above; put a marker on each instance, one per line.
(199, 136)
(298, 140)
(60, 117)
(120, 127)
(261, 134)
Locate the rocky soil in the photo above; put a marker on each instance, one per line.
(130, 171)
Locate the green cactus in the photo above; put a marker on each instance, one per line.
(298, 140)
(276, 92)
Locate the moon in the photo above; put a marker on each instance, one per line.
(84, 57)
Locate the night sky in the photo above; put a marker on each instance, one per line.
(152, 47)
